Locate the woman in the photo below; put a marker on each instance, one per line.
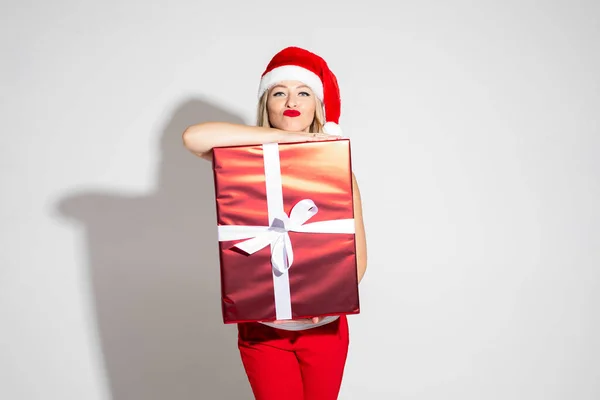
(299, 101)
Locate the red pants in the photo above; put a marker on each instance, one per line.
(294, 365)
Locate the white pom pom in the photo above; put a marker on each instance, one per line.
(331, 128)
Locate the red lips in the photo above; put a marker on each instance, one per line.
(291, 113)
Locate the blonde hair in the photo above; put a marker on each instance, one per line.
(262, 115)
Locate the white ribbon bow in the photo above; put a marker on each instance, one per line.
(282, 253)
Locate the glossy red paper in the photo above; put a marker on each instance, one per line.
(323, 278)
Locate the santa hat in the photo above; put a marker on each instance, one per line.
(294, 63)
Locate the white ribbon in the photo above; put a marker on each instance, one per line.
(276, 234)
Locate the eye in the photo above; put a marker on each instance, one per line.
(306, 94)
(277, 94)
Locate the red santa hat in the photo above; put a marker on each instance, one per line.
(294, 63)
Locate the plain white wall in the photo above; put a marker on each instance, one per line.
(475, 136)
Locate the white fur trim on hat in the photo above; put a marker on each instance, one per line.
(291, 73)
(331, 128)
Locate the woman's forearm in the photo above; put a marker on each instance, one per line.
(202, 138)
(360, 236)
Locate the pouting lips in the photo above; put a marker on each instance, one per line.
(291, 113)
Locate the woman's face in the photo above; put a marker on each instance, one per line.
(291, 106)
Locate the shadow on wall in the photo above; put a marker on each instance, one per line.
(154, 268)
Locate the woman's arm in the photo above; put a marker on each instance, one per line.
(359, 236)
(202, 138)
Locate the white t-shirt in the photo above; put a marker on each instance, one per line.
(299, 326)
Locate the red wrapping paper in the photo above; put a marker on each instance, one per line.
(323, 278)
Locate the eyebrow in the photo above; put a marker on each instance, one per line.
(285, 87)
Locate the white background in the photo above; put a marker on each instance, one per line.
(475, 137)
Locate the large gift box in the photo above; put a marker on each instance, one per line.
(286, 230)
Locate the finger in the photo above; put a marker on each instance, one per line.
(327, 136)
(314, 137)
(289, 321)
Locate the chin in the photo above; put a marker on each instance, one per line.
(293, 126)
(300, 128)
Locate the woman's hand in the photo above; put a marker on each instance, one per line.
(291, 137)
(308, 321)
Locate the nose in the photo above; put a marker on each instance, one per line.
(291, 101)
